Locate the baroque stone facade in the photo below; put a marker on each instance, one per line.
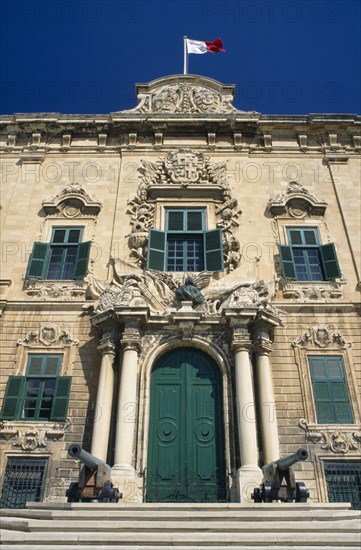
(184, 166)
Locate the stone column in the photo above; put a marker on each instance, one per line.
(264, 382)
(103, 409)
(249, 474)
(127, 404)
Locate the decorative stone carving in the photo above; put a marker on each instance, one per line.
(48, 290)
(186, 94)
(325, 292)
(186, 329)
(229, 219)
(183, 168)
(331, 439)
(296, 202)
(321, 336)
(29, 438)
(49, 334)
(72, 201)
(132, 286)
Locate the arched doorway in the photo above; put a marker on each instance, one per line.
(186, 454)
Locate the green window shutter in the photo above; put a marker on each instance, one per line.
(156, 250)
(81, 265)
(213, 250)
(38, 261)
(288, 268)
(330, 263)
(14, 396)
(330, 390)
(59, 409)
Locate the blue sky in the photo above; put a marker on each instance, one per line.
(84, 56)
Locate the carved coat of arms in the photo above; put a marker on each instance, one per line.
(183, 166)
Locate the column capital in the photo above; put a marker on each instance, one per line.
(241, 337)
(107, 346)
(131, 335)
(262, 346)
(262, 336)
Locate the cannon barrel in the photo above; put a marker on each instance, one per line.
(75, 451)
(284, 463)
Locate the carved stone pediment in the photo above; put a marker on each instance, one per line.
(321, 336)
(49, 334)
(297, 202)
(185, 94)
(71, 202)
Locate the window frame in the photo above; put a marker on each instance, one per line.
(302, 352)
(61, 392)
(41, 256)
(184, 236)
(64, 246)
(329, 381)
(326, 255)
(158, 244)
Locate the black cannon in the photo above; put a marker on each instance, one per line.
(279, 481)
(95, 481)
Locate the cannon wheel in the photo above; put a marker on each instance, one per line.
(256, 495)
(109, 493)
(302, 492)
(267, 491)
(72, 492)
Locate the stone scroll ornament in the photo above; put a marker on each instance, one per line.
(182, 168)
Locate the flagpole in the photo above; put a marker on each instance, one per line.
(185, 65)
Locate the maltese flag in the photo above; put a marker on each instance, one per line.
(196, 46)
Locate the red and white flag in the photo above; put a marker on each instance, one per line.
(196, 46)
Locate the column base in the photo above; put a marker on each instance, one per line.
(128, 482)
(249, 477)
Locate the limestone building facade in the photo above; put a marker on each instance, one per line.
(180, 290)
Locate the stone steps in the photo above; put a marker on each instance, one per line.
(181, 526)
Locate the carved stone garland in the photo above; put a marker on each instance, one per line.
(339, 441)
(182, 168)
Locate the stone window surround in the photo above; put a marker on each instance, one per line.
(321, 486)
(20, 454)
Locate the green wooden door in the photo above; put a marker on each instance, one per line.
(186, 433)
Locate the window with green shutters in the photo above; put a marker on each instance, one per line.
(185, 245)
(305, 259)
(330, 390)
(64, 258)
(39, 395)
